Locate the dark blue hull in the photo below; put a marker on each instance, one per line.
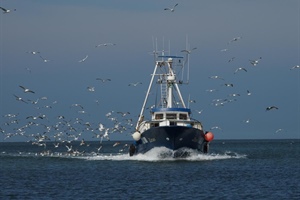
(171, 137)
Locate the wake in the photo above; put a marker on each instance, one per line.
(160, 154)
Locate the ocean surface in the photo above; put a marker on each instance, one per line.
(238, 169)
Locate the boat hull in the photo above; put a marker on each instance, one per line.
(171, 137)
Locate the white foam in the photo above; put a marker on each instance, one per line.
(163, 154)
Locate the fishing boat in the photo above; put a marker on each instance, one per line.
(169, 124)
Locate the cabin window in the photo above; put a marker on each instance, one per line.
(159, 116)
(173, 123)
(171, 116)
(183, 116)
(154, 124)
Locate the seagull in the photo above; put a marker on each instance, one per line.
(239, 69)
(211, 90)
(26, 89)
(123, 113)
(82, 60)
(172, 9)
(77, 105)
(295, 67)
(216, 77)
(215, 127)
(28, 69)
(247, 121)
(134, 84)
(248, 93)
(224, 50)
(91, 89)
(117, 143)
(231, 59)
(278, 130)
(6, 10)
(189, 51)
(234, 39)
(199, 111)
(33, 52)
(228, 84)
(45, 60)
(255, 62)
(271, 107)
(105, 44)
(234, 95)
(103, 80)
(20, 99)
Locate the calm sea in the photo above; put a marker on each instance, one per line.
(239, 169)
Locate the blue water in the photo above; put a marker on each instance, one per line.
(239, 169)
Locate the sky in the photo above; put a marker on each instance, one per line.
(65, 32)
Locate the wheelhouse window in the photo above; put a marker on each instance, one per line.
(159, 116)
(171, 116)
(183, 116)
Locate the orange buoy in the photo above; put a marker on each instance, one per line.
(209, 136)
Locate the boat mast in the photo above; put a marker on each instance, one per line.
(141, 116)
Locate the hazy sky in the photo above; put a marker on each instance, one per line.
(65, 32)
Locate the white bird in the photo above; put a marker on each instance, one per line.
(105, 44)
(82, 60)
(20, 99)
(224, 50)
(216, 77)
(255, 62)
(26, 89)
(248, 93)
(215, 127)
(123, 113)
(247, 121)
(228, 84)
(103, 80)
(271, 107)
(134, 84)
(189, 51)
(91, 89)
(45, 60)
(234, 39)
(33, 52)
(199, 111)
(6, 10)
(172, 9)
(239, 69)
(278, 130)
(69, 148)
(211, 90)
(295, 67)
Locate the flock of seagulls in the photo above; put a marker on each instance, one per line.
(64, 131)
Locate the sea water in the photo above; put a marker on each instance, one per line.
(238, 169)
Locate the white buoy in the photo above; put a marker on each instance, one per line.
(136, 136)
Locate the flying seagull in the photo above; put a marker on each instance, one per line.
(134, 84)
(189, 51)
(216, 77)
(271, 108)
(19, 99)
(103, 80)
(82, 60)
(234, 39)
(6, 10)
(45, 60)
(172, 9)
(26, 89)
(255, 62)
(295, 67)
(105, 44)
(239, 69)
